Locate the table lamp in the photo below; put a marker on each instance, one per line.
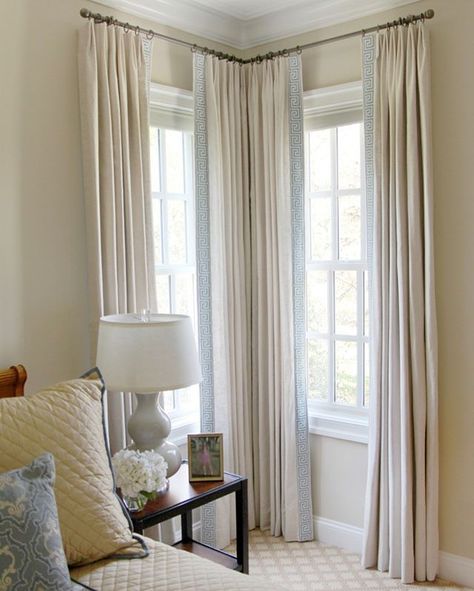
(147, 355)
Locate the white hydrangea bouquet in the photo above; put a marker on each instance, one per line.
(140, 475)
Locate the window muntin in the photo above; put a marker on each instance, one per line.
(336, 270)
(171, 156)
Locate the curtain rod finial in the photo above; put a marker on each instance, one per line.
(85, 13)
(429, 13)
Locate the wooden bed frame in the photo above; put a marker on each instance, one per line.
(12, 381)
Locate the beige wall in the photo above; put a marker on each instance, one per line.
(339, 470)
(43, 310)
(43, 301)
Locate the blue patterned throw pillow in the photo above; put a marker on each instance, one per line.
(31, 551)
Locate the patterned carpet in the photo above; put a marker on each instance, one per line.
(313, 566)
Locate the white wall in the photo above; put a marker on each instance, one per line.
(43, 310)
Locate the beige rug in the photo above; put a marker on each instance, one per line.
(313, 566)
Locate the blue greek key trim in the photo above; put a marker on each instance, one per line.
(203, 273)
(296, 142)
(203, 248)
(368, 89)
(147, 53)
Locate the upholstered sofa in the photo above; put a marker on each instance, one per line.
(55, 472)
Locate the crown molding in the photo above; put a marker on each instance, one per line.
(311, 16)
(215, 25)
(185, 15)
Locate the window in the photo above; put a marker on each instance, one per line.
(171, 155)
(336, 272)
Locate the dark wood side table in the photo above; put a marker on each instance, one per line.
(184, 496)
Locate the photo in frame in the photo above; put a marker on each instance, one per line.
(205, 457)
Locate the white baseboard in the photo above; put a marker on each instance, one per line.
(338, 534)
(456, 569)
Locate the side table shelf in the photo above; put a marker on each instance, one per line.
(213, 554)
(182, 497)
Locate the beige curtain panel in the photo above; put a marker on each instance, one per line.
(273, 360)
(230, 255)
(401, 526)
(116, 168)
(243, 175)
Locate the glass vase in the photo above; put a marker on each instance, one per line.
(137, 503)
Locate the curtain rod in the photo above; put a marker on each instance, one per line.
(407, 20)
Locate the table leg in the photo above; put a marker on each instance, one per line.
(242, 524)
(187, 526)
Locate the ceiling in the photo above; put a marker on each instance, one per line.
(249, 9)
(246, 23)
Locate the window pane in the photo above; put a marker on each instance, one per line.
(317, 282)
(320, 229)
(349, 228)
(337, 308)
(155, 159)
(157, 230)
(176, 231)
(174, 161)
(163, 293)
(185, 294)
(366, 374)
(188, 399)
(366, 303)
(345, 293)
(348, 152)
(346, 373)
(168, 400)
(318, 369)
(320, 160)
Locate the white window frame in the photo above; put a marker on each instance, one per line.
(173, 108)
(331, 107)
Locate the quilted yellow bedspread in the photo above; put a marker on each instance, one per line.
(166, 569)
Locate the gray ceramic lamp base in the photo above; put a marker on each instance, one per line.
(149, 426)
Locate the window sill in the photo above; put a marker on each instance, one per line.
(181, 425)
(340, 423)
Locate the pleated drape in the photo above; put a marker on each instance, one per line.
(230, 255)
(401, 525)
(249, 179)
(116, 167)
(273, 336)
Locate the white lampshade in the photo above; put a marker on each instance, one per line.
(147, 355)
